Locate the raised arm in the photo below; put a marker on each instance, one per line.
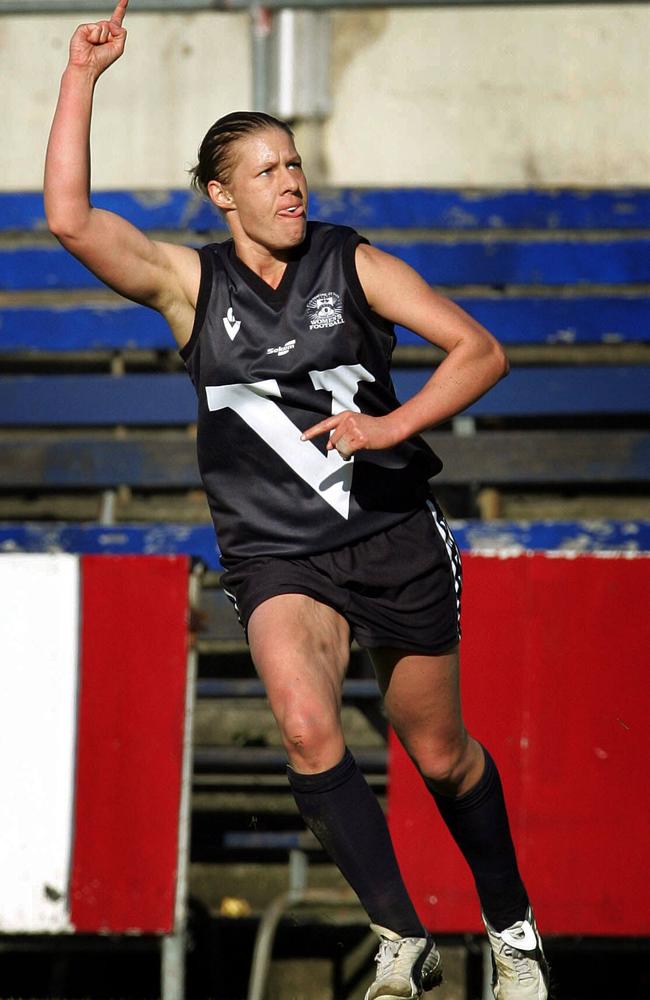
(161, 275)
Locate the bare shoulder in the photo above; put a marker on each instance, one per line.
(397, 292)
(369, 260)
(381, 273)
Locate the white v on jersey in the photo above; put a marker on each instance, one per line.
(269, 363)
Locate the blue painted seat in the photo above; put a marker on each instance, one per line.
(169, 399)
(524, 319)
(565, 240)
(374, 208)
(198, 540)
(492, 261)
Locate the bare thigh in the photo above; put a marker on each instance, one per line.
(422, 699)
(300, 649)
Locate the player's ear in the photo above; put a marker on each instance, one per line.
(220, 196)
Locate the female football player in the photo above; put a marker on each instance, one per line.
(319, 487)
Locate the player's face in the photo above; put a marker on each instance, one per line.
(269, 190)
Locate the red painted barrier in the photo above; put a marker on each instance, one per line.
(554, 673)
(130, 743)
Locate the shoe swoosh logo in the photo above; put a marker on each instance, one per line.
(526, 940)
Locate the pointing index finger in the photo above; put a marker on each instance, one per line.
(120, 10)
(321, 428)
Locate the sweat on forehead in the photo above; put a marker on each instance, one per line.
(217, 151)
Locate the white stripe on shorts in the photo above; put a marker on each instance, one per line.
(452, 551)
(233, 600)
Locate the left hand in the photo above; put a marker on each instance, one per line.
(350, 432)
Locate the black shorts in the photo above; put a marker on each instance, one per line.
(399, 588)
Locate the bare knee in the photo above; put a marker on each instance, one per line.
(312, 737)
(449, 766)
(300, 649)
(309, 720)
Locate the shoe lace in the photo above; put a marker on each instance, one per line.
(386, 956)
(520, 963)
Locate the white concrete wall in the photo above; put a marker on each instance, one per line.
(502, 95)
(179, 73)
(473, 96)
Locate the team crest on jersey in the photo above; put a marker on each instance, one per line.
(325, 309)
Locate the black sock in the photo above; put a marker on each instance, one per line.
(478, 822)
(342, 811)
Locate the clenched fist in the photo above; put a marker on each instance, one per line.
(94, 47)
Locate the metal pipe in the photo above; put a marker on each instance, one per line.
(96, 7)
(264, 945)
(286, 68)
(486, 957)
(269, 923)
(261, 20)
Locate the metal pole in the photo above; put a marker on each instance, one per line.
(261, 20)
(174, 945)
(270, 919)
(172, 968)
(80, 7)
(264, 944)
(486, 955)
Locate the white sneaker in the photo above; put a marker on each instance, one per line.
(406, 966)
(518, 963)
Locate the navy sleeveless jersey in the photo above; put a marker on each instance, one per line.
(267, 364)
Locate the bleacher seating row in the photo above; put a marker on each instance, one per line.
(198, 540)
(92, 395)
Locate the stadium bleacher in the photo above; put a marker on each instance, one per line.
(93, 397)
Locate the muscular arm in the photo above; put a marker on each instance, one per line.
(157, 274)
(474, 360)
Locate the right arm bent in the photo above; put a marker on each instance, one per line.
(161, 275)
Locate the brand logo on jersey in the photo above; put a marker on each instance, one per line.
(231, 324)
(289, 346)
(325, 310)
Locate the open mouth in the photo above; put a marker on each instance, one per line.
(295, 211)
